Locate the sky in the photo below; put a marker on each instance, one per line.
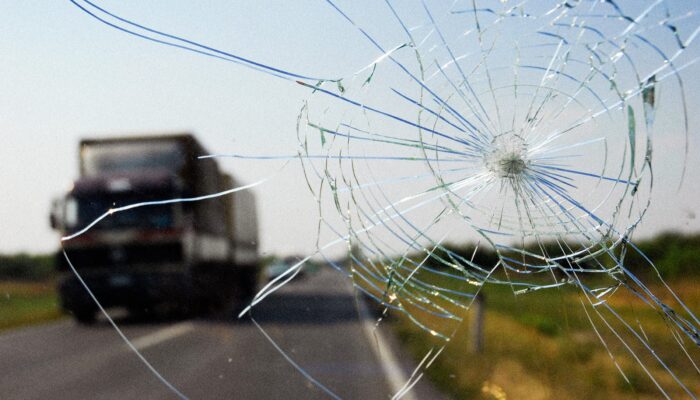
(65, 76)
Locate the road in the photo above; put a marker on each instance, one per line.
(315, 321)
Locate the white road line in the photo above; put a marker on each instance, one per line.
(162, 335)
(396, 378)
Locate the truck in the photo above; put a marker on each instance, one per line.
(190, 256)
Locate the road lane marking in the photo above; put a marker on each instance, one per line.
(162, 335)
(393, 372)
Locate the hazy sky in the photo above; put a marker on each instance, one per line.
(65, 76)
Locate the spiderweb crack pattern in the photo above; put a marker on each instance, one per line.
(526, 125)
(533, 124)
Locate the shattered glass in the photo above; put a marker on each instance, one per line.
(526, 127)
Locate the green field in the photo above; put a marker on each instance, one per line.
(27, 303)
(541, 346)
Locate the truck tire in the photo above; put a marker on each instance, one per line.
(249, 285)
(245, 285)
(85, 316)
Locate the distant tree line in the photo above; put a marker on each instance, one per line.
(674, 254)
(29, 267)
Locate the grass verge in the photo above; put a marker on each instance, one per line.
(27, 303)
(541, 346)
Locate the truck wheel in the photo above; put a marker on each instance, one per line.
(246, 286)
(85, 316)
(250, 283)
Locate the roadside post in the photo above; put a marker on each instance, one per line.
(476, 324)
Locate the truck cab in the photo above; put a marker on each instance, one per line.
(159, 252)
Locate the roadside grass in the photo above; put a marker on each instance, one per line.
(27, 303)
(541, 345)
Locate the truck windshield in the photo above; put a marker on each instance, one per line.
(101, 158)
(89, 209)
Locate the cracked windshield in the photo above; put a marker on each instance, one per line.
(335, 199)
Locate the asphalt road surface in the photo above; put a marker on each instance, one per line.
(315, 320)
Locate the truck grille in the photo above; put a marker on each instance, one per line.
(125, 255)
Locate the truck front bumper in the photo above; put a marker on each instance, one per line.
(134, 290)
